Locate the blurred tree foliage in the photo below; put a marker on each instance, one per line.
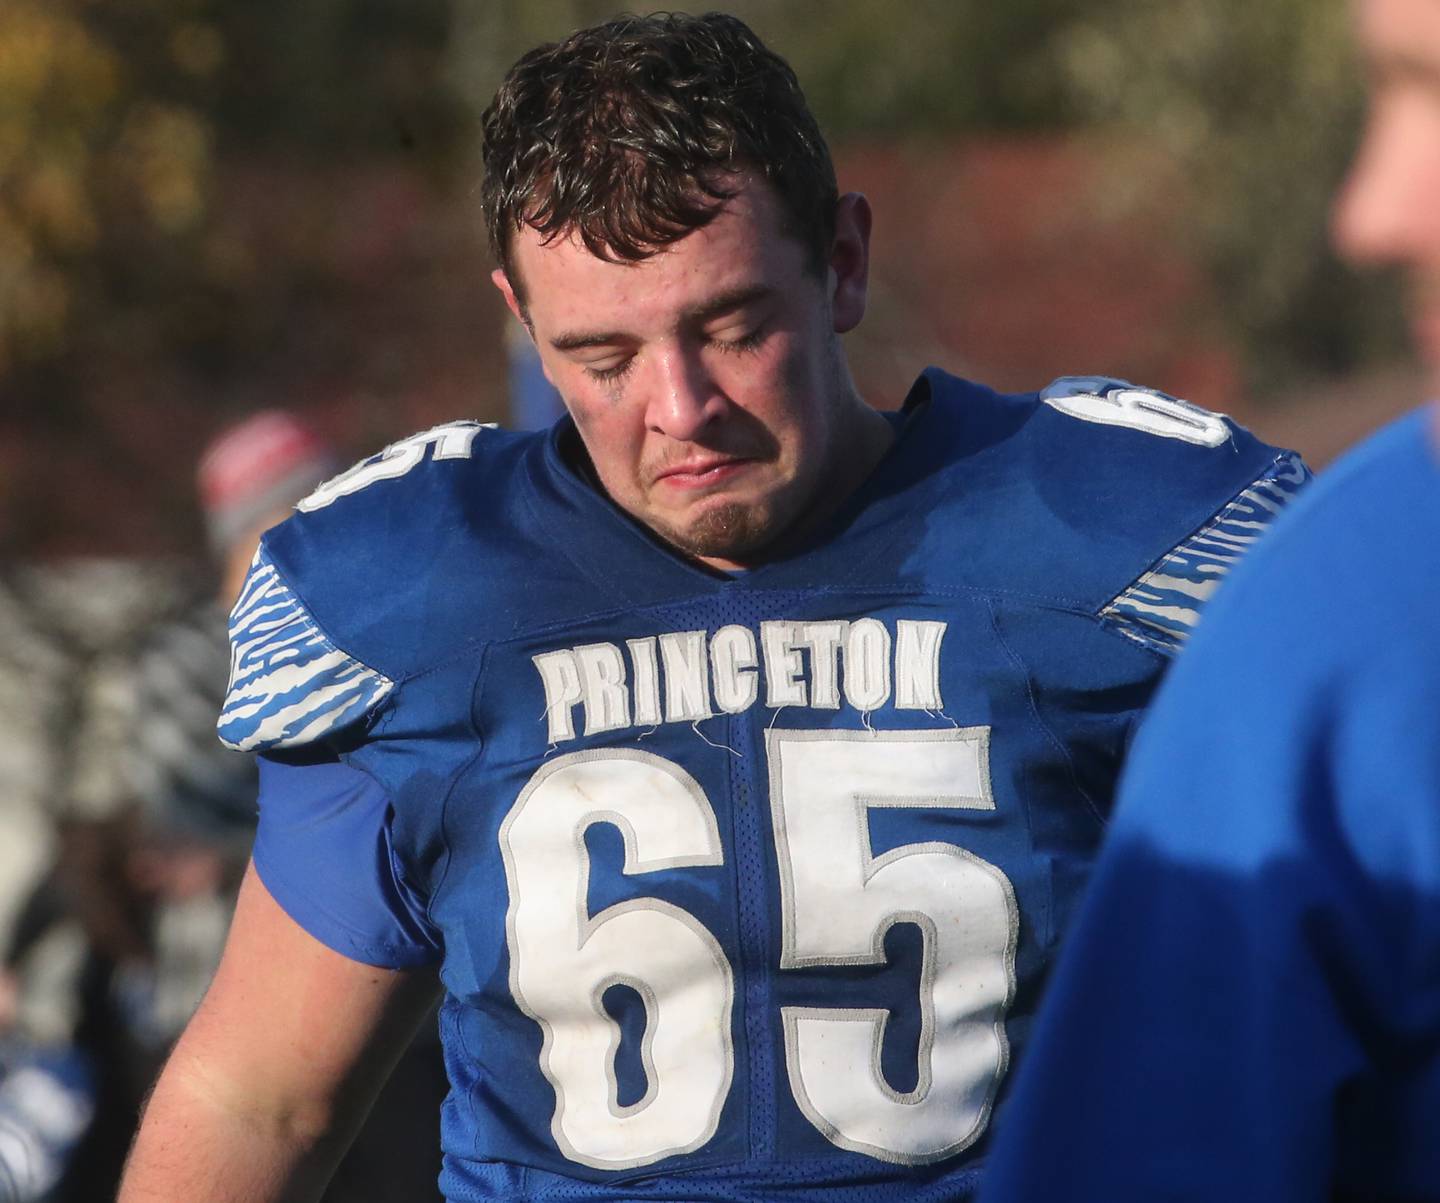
(870, 69)
(1258, 107)
(114, 116)
(1240, 114)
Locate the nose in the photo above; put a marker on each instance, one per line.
(684, 399)
(1388, 211)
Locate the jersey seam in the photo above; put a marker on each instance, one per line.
(465, 767)
(606, 585)
(319, 626)
(1066, 605)
(368, 716)
(1034, 708)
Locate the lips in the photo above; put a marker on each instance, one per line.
(701, 473)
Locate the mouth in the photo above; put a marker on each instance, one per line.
(702, 473)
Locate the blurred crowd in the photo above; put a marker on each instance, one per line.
(126, 828)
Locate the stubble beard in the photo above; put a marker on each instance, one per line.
(731, 531)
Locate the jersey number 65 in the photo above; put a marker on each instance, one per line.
(838, 900)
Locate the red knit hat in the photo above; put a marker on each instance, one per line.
(269, 460)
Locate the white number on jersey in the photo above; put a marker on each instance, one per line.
(1141, 409)
(838, 901)
(451, 441)
(562, 959)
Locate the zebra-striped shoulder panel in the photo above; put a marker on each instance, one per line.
(289, 685)
(1163, 606)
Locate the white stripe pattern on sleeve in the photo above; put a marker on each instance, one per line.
(289, 685)
(1162, 608)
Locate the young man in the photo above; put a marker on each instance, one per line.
(733, 749)
(1249, 1007)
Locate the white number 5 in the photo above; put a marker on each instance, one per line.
(838, 901)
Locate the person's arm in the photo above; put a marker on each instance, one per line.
(273, 1075)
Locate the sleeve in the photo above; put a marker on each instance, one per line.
(324, 851)
(1252, 957)
(1162, 608)
(289, 684)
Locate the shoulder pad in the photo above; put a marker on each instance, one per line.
(1162, 607)
(380, 572)
(1126, 502)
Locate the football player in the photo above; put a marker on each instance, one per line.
(733, 750)
(1249, 1007)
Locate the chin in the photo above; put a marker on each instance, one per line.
(730, 531)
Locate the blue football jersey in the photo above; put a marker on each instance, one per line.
(1248, 1008)
(743, 886)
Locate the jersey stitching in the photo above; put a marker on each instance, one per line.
(1066, 605)
(567, 549)
(1033, 706)
(466, 767)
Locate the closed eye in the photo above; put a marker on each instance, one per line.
(735, 346)
(612, 373)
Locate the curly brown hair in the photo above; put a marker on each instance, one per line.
(629, 134)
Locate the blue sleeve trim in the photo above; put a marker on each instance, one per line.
(323, 848)
(1162, 608)
(289, 685)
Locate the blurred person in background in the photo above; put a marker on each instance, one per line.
(200, 796)
(47, 1084)
(1249, 1006)
(152, 820)
(733, 750)
(112, 948)
(69, 1087)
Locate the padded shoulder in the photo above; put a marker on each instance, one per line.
(343, 598)
(289, 685)
(1107, 401)
(1125, 501)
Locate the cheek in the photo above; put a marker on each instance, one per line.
(785, 384)
(610, 440)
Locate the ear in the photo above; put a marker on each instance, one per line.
(502, 282)
(850, 261)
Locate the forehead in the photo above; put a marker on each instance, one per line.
(744, 244)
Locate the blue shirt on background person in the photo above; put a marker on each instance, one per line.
(1249, 1005)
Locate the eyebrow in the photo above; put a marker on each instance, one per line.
(730, 299)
